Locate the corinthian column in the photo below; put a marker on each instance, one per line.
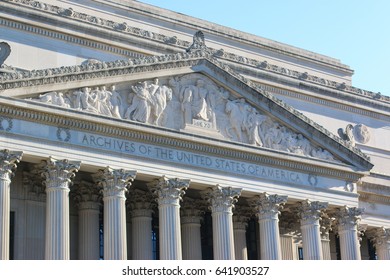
(141, 221)
(58, 175)
(310, 213)
(222, 200)
(88, 200)
(267, 209)
(169, 193)
(348, 220)
(115, 183)
(8, 161)
(382, 243)
(191, 217)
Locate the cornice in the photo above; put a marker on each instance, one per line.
(67, 38)
(129, 130)
(152, 64)
(373, 198)
(171, 41)
(331, 103)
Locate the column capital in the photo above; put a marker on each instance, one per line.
(192, 210)
(310, 212)
(381, 236)
(267, 205)
(139, 200)
(8, 161)
(326, 225)
(348, 217)
(32, 182)
(222, 199)
(86, 195)
(58, 173)
(114, 182)
(241, 216)
(169, 191)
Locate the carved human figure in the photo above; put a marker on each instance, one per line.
(139, 110)
(55, 98)
(252, 126)
(237, 111)
(103, 102)
(321, 154)
(186, 106)
(304, 145)
(199, 104)
(273, 137)
(161, 96)
(116, 102)
(83, 100)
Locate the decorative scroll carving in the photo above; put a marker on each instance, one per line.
(114, 182)
(169, 191)
(222, 199)
(8, 161)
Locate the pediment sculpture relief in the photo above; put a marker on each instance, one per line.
(191, 103)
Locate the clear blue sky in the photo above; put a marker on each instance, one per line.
(356, 32)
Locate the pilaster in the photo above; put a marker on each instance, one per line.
(222, 200)
(8, 162)
(58, 175)
(115, 183)
(169, 192)
(267, 210)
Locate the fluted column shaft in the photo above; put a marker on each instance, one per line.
(169, 193)
(382, 243)
(191, 239)
(8, 161)
(348, 219)
(141, 220)
(310, 213)
(87, 198)
(89, 231)
(240, 247)
(115, 183)
(267, 208)
(58, 174)
(222, 200)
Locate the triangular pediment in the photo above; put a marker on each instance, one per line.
(187, 92)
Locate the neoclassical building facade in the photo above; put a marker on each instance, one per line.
(132, 132)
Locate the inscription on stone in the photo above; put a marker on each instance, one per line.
(188, 158)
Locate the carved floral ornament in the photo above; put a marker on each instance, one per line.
(191, 103)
